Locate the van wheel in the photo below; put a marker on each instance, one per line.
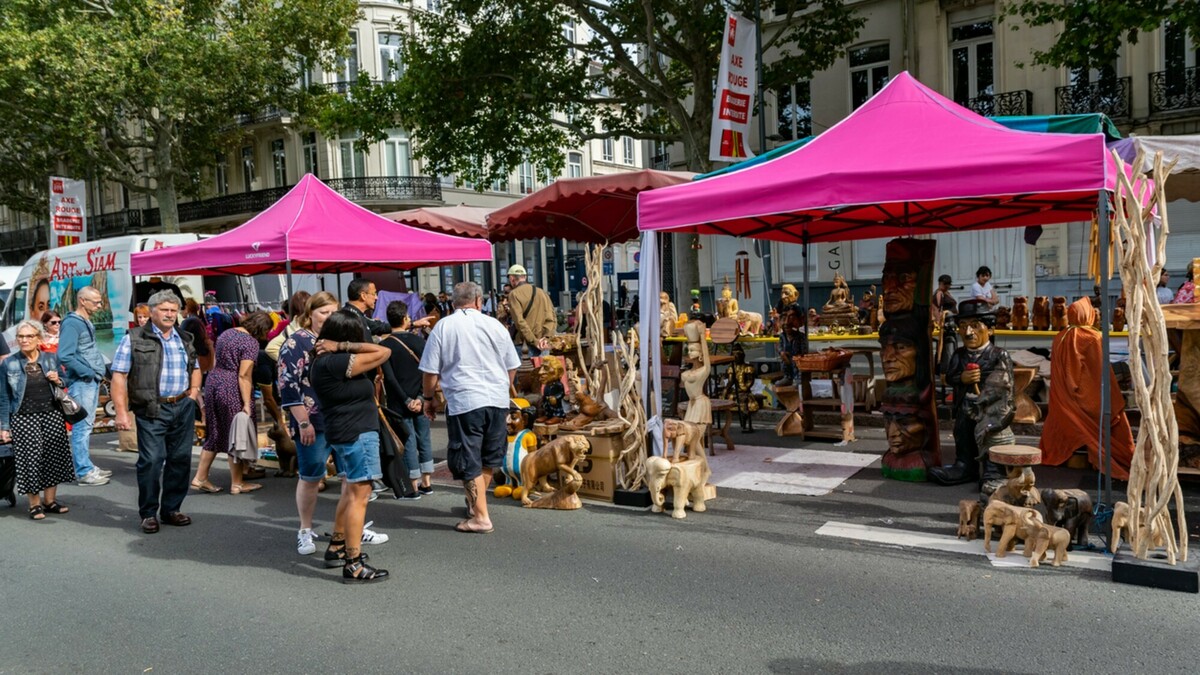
(110, 409)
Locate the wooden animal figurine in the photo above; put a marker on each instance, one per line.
(589, 411)
(558, 456)
(678, 434)
(1020, 490)
(1020, 313)
(1071, 510)
(1120, 526)
(1011, 520)
(1003, 317)
(1041, 313)
(1058, 313)
(1042, 537)
(1118, 317)
(968, 518)
(686, 479)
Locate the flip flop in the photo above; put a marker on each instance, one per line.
(463, 527)
(206, 486)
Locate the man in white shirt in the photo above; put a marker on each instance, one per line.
(982, 288)
(473, 358)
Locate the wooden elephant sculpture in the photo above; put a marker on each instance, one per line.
(1120, 526)
(1020, 313)
(1041, 313)
(678, 434)
(1058, 313)
(1071, 510)
(1013, 523)
(686, 479)
(968, 518)
(1042, 537)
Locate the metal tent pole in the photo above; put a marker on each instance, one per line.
(287, 295)
(1105, 380)
(804, 257)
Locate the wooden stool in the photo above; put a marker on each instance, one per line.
(1016, 458)
(792, 423)
(1027, 411)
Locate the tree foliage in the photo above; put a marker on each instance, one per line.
(1092, 32)
(488, 84)
(145, 92)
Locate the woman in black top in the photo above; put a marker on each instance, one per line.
(402, 382)
(341, 377)
(942, 300)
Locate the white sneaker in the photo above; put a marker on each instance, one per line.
(94, 478)
(373, 497)
(304, 542)
(372, 537)
(104, 472)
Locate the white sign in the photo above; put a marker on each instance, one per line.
(734, 99)
(68, 211)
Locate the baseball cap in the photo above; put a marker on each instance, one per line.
(516, 271)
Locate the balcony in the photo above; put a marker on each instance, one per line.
(343, 87)
(268, 114)
(1009, 103)
(1111, 97)
(1174, 90)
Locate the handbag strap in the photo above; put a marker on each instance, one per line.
(406, 347)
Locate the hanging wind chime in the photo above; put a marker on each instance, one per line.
(741, 271)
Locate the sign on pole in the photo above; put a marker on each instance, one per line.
(68, 211)
(734, 98)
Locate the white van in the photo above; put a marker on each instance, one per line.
(8, 277)
(50, 279)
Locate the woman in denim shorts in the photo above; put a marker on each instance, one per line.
(341, 377)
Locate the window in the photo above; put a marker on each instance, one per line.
(569, 37)
(434, 6)
(608, 152)
(306, 74)
(1181, 55)
(525, 175)
(574, 164)
(793, 111)
(396, 157)
(971, 48)
(868, 71)
(354, 162)
(279, 162)
(309, 151)
(347, 64)
(628, 152)
(389, 57)
(248, 169)
(221, 174)
(661, 159)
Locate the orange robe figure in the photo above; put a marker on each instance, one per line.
(1073, 418)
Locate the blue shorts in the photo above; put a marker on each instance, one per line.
(358, 462)
(310, 459)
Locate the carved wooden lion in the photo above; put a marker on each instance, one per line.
(560, 455)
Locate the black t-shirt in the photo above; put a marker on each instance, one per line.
(347, 405)
(404, 382)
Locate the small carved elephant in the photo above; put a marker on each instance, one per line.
(688, 436)
(1013, 523)
(687, 480)
(1042, 537)
(968, 518)
(1121, 526)
(1069, 509)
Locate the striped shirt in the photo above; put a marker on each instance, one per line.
(175, 379)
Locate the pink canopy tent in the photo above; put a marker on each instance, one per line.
(909, 161)
(313, 229)
(463, 221)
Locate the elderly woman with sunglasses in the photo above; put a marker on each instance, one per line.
(32, 422)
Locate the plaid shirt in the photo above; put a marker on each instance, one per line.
(175, 379)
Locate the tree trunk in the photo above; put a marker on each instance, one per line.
(164, 191)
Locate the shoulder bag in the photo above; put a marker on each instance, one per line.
(71, 411)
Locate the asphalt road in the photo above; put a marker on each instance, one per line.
(746, 587)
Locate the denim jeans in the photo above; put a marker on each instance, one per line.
(359, 462)
(164, 464)
(418, 453)
(87, 395)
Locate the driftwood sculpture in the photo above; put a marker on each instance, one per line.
(1153, 474)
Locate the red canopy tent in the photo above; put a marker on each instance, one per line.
(592, 209)
(462, 221)
(313, 229)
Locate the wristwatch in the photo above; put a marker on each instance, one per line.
(305, 424)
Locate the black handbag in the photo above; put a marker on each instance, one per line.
(71, 411)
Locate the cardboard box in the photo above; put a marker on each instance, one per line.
(598, 478)
(607, 446)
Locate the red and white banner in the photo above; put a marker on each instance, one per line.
(734, 99)
(68, 211)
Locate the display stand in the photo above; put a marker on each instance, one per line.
(844, 403)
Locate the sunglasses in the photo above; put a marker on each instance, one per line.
(53, 323)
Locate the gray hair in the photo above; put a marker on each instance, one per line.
(34, 324)
(164, 296)
(86, 290)
(466, 293)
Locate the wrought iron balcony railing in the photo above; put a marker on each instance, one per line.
(1174, 90)
(269, 114)
(388, 188)
(343, 87)
(1111, 97)
(1008, 103)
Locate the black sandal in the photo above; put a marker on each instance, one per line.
(335, 555)
(357, 571)
(56, 508)
(37, 512)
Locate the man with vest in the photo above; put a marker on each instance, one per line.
(532, 313)
(155, 373)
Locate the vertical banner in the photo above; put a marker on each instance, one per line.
(734, 97)
(68, 211)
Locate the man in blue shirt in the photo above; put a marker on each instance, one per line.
(156, 374)
(83, 364)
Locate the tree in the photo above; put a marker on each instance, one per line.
(1092, 32)
(489, 84)
(145, 92)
